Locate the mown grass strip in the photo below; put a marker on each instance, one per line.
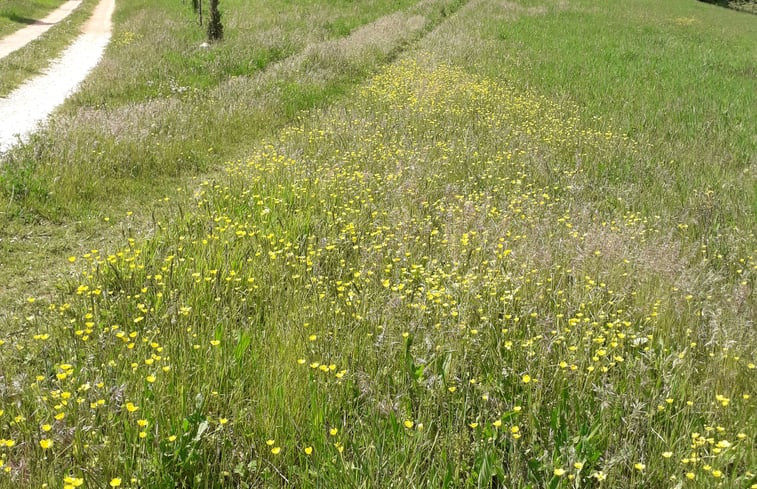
(676, 81)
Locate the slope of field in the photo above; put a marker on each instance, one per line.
(487, 264)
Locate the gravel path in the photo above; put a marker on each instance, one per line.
(24, 36)
(26, 107)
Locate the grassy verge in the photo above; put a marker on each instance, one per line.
(16, 14)
(419, 286)
(189, 120)
(37, 55)
(122, 158)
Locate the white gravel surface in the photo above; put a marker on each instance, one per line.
(25, 108)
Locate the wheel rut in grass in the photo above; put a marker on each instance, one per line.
(24, 36)
(31, 103)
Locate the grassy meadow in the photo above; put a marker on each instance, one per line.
(404, 244)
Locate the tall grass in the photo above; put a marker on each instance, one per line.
(438, 280)
(100, 162)
(186, 124)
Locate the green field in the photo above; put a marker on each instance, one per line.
(446, 243)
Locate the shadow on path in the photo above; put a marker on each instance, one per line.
(24, 20)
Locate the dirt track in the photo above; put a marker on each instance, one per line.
(30, 104)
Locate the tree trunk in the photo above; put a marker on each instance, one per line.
(215, 28)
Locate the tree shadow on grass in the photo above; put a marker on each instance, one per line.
(749, 6)
(13, 17)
